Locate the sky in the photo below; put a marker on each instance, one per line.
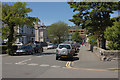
(51, 12)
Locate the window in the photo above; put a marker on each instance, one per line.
(65, 46)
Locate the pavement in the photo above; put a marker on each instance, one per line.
(89, 60)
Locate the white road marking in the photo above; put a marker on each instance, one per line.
(8, 63)
(48, 55)
(32, 64)
(23, 62)
(55, 66)
(38, 56)
(44, 65)
(19, 56)
(20, 63)
(63, 67)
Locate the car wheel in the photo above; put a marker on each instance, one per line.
(42, 49)
(32, 52)
(39, 51)
(57, 57)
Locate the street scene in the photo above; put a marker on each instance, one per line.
(44, 65)
(60, 40)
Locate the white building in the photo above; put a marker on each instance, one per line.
(41, 33)
(27, 34)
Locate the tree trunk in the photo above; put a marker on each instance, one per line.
(59, 40)
(10, 41)
(99, 42)
(103, 42)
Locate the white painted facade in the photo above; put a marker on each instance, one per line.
(41, 33)
(28, 34)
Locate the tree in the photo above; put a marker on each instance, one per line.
(5, 32)
(94, 16)
(112, 34)
(76, 37)
(58, 31)
(13, 16)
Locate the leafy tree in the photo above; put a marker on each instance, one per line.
(92, 39)
(115, 19)
(13, 16)
(94, 16)
(76, 37)
(58, 31)
(5, 32)
(112, 34)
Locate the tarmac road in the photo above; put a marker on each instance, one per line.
(45, 65)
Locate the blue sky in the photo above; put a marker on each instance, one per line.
(51, 12)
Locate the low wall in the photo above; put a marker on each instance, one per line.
(110, 54)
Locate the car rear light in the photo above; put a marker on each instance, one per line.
(70, 51)
(57, 51)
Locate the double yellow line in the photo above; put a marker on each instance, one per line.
(68, 64)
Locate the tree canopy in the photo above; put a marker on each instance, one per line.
(112, 34)
(76, 37)
(94, 16)
(13, 16)
(58, 31)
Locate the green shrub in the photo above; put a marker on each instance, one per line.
(4, 48)
(112, 34)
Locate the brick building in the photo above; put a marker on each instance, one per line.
(82, 33)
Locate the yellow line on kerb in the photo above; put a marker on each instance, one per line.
(69, 62)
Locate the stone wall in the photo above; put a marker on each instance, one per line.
(107, 54)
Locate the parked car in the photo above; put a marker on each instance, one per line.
(44, 44)
(4, 43)
(38, 48)
(19, 44)
(76, 46)
(65, 51)
(51, 46)
(56, 45)
(25, 49)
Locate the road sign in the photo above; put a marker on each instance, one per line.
(93, 40)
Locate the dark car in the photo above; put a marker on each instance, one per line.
(38, 48)
(76, 46)
(4, 43)
(25, 49)
(43, 44)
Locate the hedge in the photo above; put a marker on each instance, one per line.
(4, 48)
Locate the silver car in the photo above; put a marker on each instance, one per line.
(25, 49)
(65, 51)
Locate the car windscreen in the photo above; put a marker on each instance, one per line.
(50, 45)
(25, 47)
(64, 46)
